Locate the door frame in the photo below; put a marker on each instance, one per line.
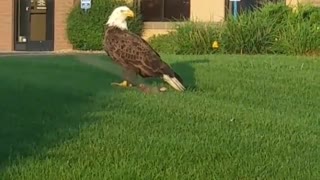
(47, 45)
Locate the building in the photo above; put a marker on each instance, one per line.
(40, 25)
(27, 25)
(295, 2)
(157, 14)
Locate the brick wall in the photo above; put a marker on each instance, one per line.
(207, 10)
(316, 2)
(6, 25)
(62, 8)
(295, 2)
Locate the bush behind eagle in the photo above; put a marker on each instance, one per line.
(85, 30)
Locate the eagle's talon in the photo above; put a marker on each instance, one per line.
(122, 84)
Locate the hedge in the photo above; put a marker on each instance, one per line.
(86, 29)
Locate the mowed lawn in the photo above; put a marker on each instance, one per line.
(242, 117)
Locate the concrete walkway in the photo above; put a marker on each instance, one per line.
(46, 53)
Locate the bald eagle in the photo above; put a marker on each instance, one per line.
(134, 54)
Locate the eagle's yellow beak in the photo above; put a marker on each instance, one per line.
(129, 13)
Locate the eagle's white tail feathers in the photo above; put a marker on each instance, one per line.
(174, 82)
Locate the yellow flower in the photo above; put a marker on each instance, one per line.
(215, 45)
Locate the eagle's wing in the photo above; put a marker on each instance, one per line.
(130, 50)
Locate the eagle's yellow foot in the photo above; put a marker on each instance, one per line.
(123, 84)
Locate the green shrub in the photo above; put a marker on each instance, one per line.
(299, 38)
(307, 12)
(249, 34)
(189, 38)
(273, 28)
(254, 32)
(300, 34)
(276, 12)
(86, 29)
(164, 43)
(196, 37)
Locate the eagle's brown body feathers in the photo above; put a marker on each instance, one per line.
(135, 55)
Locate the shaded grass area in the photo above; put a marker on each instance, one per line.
(42, 98)
(243, 117)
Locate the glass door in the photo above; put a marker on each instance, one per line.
(34, 25)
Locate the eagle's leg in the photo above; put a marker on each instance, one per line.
(129, 77)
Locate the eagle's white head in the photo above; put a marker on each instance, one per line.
(118, 17)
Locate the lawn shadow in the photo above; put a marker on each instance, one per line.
(187, 72)
(185, 69)
(44, 102)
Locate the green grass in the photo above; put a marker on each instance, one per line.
(246, 117)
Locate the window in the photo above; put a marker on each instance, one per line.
(247, 5)
(165, 10)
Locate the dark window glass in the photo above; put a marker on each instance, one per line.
(165, 10)
(152, 10)
(177, 9)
